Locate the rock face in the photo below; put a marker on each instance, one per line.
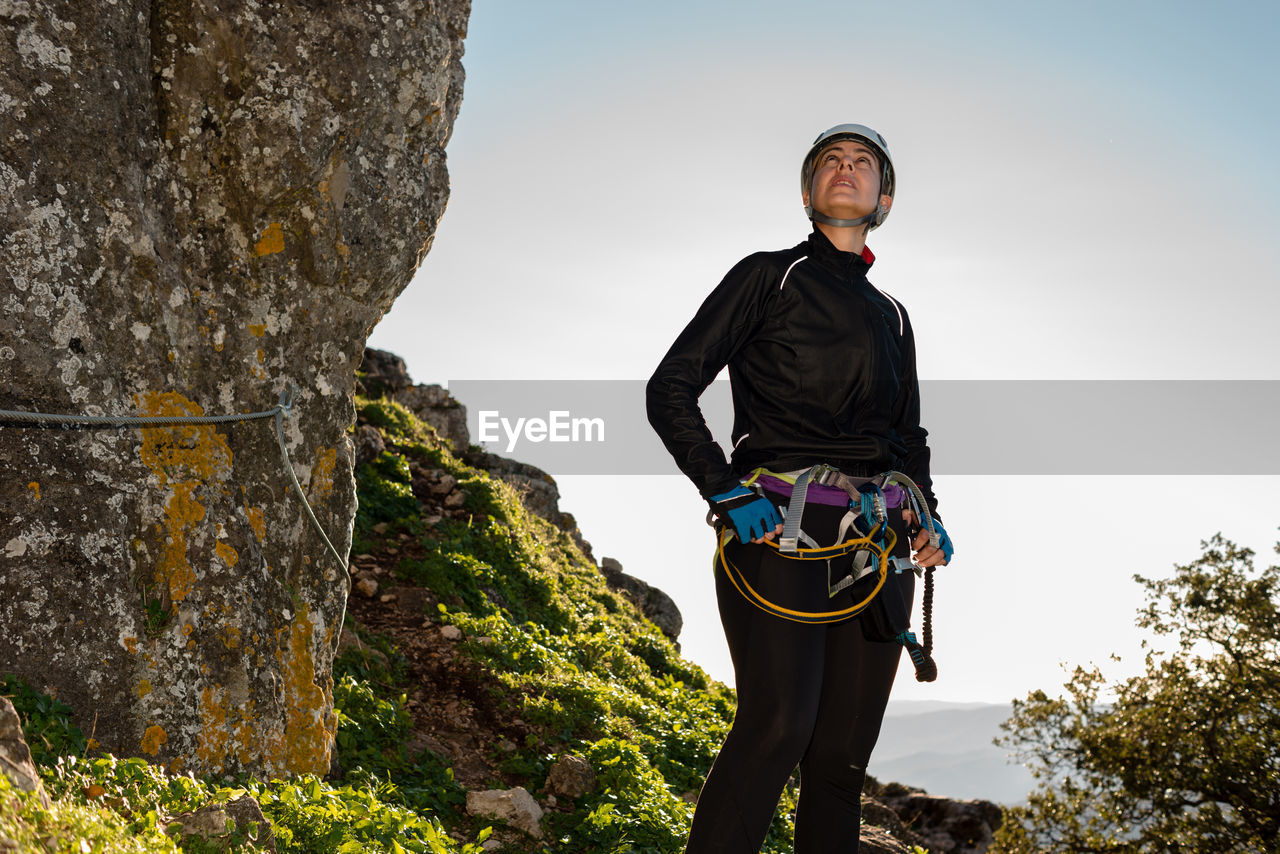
(652, 602)
(385, 374)
(942, 825)
(15, 756)
(202, 202)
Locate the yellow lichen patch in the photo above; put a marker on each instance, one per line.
(153, 739)
(175, 767)
(230, 636)
(191, 452)
(230, 732)
(322, 473)
(227, 554)
(271, 241)
(143, 689)
(310, 723)
(211, 749)
(182, 458)
(344, 250)
(258, 329)
(130, 644)
(35, 489)
(257, 522)
(182, 513)
(256, 369)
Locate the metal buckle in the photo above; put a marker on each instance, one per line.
(822, 474)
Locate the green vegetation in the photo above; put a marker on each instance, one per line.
(1186, 756)
(105, 804)
(384, 493)
(46, 722)
(70, 825)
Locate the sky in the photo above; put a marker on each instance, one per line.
(1086, 191)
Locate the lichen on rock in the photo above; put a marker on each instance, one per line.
(201, 204)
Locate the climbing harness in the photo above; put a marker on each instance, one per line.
(864, 533)
(282, 409)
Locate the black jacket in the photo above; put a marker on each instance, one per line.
(822, 365)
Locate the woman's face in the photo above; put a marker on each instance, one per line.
(846, 181)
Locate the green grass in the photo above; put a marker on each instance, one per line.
(116, 804)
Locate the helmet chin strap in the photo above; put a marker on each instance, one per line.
(843, 223)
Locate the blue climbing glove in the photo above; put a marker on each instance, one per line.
(751, 514)
(944, 541)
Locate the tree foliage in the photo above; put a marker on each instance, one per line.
(1184, 757)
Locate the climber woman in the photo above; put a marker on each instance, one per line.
(822, 367)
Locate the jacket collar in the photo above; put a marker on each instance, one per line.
(849, 264)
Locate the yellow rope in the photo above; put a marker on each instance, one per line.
(810, 617)
(844, 548)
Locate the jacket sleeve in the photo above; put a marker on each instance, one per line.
(723, 323)
(915, 464)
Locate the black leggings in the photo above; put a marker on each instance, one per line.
(812, 695)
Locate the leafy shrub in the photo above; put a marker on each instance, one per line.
(634, 806)
(132, 797)
(372, 730)
(46, 722)
(311, 817)
(73, 826)
(392, 418)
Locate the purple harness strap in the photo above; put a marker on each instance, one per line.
(833, 496)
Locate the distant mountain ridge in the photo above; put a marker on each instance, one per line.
(946, 749)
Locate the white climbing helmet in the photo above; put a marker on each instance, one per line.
(888, 181)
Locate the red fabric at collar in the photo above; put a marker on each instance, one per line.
(868, 255)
